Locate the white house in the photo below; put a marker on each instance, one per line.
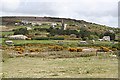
(18, 37)
(106, 38)
(53, 25)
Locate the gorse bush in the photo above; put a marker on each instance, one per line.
(79, 50)
(105, 49)
(35, 50)
(19, 49)
(72, 49)
(55, 48)
(75, 49)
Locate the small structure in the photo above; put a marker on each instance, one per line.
(84, 25)
(93, 41)
(73, 36)
(83, 42)
(53, 25)
(106, 38)
(60, 42)
(17, 24)
(33, 24)
(9, 42)
(100, 39)
(24, 22)
(18, 37)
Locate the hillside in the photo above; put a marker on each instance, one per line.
(46, 22)
(71, 22)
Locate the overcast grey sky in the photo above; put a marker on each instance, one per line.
(98, 11)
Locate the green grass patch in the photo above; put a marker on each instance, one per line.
(22, 42)
(7, 32)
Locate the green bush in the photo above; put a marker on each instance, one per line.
(117, 46)
(19, 44)
(23, 31)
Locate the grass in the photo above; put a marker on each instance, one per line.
(18, 27)
(82, 67)
(22, 42)
(60, 64)
(2, 40)
(7, 32)
(42, 26)
(65, 43)
(33, 41)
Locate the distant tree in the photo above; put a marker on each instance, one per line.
(93, 37)
(101, 35)
(84, 32)
(85, 38)
(23, 31)
(96, 33)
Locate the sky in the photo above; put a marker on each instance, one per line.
(103, 12)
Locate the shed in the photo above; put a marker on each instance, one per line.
(9, 42)
(83, 42)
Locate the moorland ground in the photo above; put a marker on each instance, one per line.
(101, 66)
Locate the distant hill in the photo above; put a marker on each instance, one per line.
(10, 20)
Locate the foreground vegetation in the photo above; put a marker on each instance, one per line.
(82, 67)
(60, 64)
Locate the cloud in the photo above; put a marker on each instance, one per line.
(98, 11)
(10, 5)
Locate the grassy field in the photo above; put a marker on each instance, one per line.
(33, 41)
(55, 41)
(81, 67)
(7, 33)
